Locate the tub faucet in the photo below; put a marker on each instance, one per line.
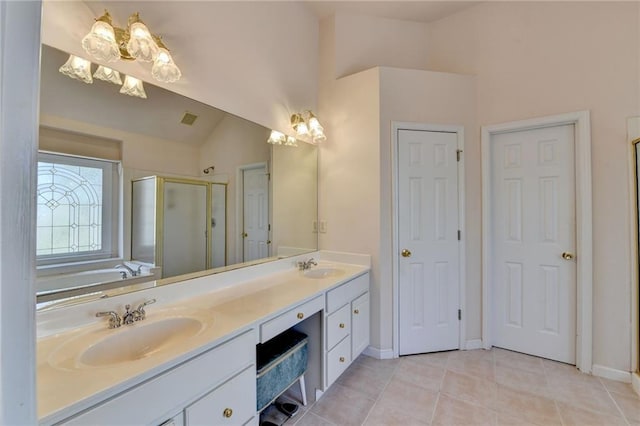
(306, 264)
(132, 272)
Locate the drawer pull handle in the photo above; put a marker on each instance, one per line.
(356, 311)
(341, 325)
(300, 315)
(228, 412)
(341, 359)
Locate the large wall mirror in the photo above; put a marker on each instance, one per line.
(258, 201)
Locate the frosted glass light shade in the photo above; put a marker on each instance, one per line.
(291, 141)
(133, 87)
(78, 68)
(100, 42)
(141, 45)
(164, 69)
(276, 138)
(107, 74)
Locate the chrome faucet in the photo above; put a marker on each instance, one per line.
(132, 272)
(114, 319)
(306, 264)
(129, 317)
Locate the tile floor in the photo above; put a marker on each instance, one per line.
(479, 387)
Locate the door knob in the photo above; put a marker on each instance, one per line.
(567, 256)
(245, 235)
(405, 253)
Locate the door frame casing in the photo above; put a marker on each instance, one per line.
(395, 267)
(583, 203)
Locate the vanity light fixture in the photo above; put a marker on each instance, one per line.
(108, 43)
(78, 68)
(307, 126)
(278, 138)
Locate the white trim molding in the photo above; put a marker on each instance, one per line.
(633, 135)
(584, 325)
(459, 131)
(378, 353)
(635, 382)
(473, 344)
(611, 373)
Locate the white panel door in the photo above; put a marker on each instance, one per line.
(428, 237)
(256, 213)
(533, 225)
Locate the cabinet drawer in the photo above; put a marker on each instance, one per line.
(233, 403)
(340, 296)
(277, 325)
(338, 326)
(149, 402)
(338, 359)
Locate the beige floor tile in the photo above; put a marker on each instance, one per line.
(422, 374)
(437, 359)
(587, 395)
(517, 360)
(618, 387)
(383, 415)
(343, 406)
(476, 354)
(573, 416)
(409, 398)
(561, 372)
(507, 420)
(310, 419)
(629, 404)
(386, 366)
(526, 406)
(468, 388)
(369, 381)
(451, 411)
(522, 380)
(477, 367)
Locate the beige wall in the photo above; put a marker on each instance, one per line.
(254, 59)
(249, 146)
(536, 59)
(530, 60)
(363, 42)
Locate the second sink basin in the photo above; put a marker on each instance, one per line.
(323, 272)
(139, 341)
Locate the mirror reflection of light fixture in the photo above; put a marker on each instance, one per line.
(108, 43)
(133, 87)
(278, 138)
(306, 125)
(107, 74)
(78, 68)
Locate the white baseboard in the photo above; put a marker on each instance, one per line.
(611, 373)
(473, 344)
(378, 353)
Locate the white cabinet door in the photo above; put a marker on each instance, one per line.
(233, 403)
(359, 325)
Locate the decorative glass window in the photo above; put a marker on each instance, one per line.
(77, 208)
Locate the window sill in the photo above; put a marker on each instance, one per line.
(67, 268)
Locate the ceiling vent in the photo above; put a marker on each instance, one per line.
(189, 119)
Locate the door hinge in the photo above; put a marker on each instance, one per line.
(459, 314)
(459, 235)
(458, 154)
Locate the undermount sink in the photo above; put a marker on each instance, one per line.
(323, 272)
(106, 347)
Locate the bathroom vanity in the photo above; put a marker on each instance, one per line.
(193, 359)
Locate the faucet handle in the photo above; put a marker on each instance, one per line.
(114, 319)
(141, 311)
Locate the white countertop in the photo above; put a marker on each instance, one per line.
(65, 389)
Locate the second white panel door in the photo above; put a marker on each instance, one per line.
(256, 213)
(428, 240)
(533, 234)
